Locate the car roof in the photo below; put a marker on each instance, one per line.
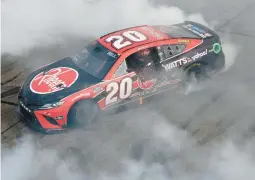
(145, 33)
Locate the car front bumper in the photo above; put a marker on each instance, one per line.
(30, 118)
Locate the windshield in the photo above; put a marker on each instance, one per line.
(95, 59)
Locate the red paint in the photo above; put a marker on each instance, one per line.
(149, 32)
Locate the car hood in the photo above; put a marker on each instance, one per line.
(52, 83)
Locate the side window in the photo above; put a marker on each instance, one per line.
(172, 50)
(122, 69)
(143, 57)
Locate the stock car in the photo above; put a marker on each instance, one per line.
(106, 74)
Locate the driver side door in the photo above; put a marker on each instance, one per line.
(145, 86)
(126, 87)
(122, 88)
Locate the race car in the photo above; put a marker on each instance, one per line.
(118, 69)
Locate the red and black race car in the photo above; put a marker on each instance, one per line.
(117, 69)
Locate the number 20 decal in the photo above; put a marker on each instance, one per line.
(132, 36)
(124, 88)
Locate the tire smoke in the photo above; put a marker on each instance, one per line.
(145, 147)
(31, 23)
(163, 151)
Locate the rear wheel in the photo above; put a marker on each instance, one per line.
(82, 113)
(194, 75)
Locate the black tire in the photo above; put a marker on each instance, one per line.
(195, 74)
(82, 113)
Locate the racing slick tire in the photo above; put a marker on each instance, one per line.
(82, 113)
(195, 74)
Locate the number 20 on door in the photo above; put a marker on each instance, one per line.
(118, 91)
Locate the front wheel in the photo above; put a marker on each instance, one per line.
(82, 113)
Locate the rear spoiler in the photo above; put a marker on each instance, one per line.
(200, 30)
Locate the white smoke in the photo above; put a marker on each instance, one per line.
(178, 157)
(30, 23)
(27, 161)
(231, 52)
(233, 163)
(40, 23)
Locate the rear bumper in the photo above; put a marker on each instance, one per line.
(30, 120)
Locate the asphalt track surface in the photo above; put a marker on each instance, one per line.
(225, 109)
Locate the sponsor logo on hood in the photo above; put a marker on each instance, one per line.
(53, 80)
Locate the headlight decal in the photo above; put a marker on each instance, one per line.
(53, 105)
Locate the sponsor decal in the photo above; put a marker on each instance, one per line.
(80, 96)
(197, 30)
(147, 84)
(112, 54)
(183, 40)
(117, 91)
(145, 92)
(59, 117)
(177, 63)
(153, 32)
(97, 89)
(199, 55)
(216, 48)
(53, 80)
